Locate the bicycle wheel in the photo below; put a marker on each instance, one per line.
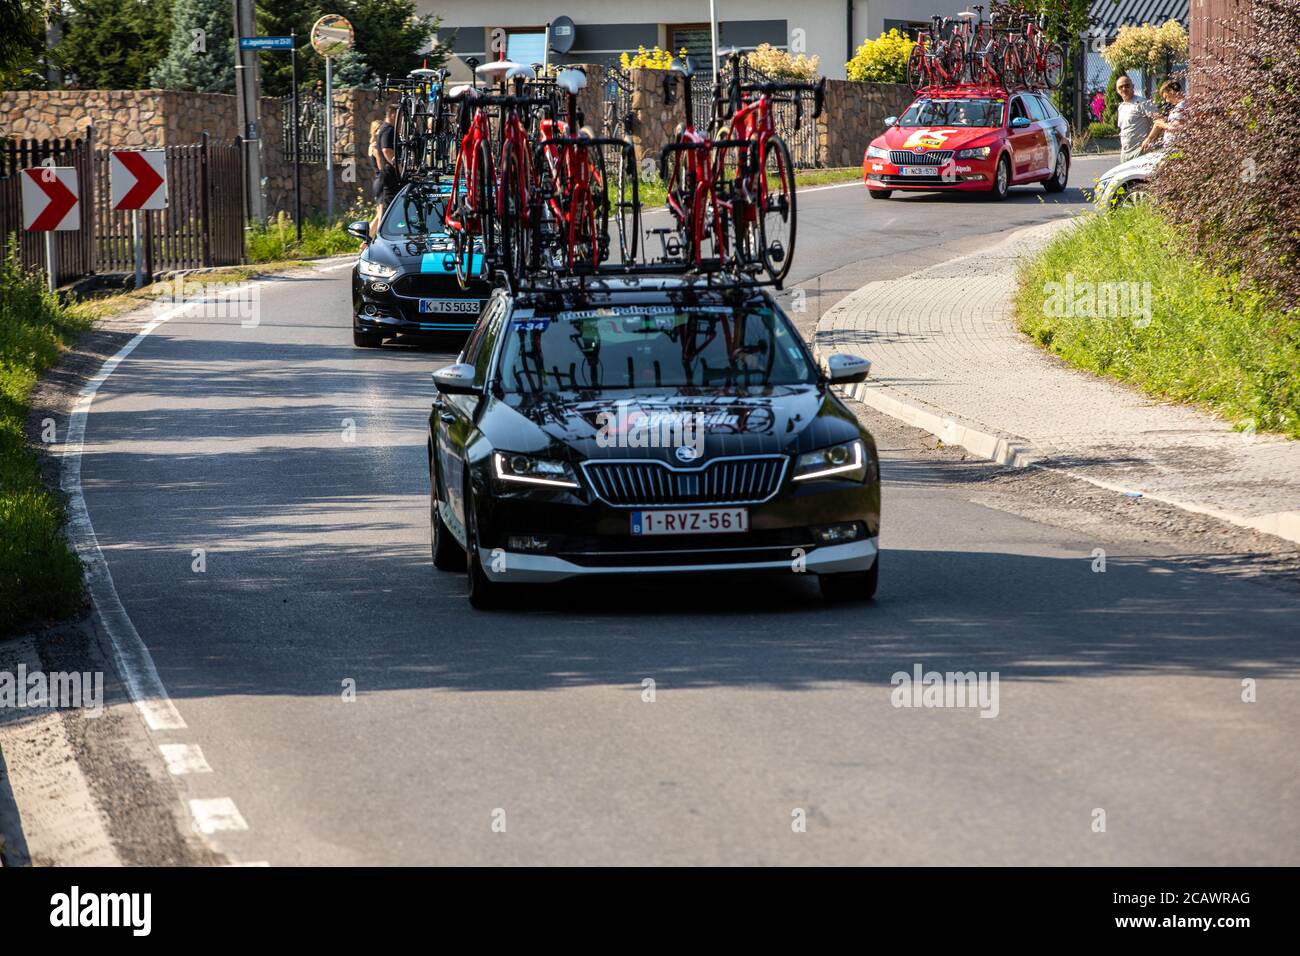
(1012, 65)
(681, 203)
(627, 216)
(1053, 65)
(778, 214)
(478, 249)
(601, 246)
(740, 171)
(402, 140)
(511, 189)
(916, 67)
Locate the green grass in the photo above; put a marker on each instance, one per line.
(40, 577)
(1212, 340)
(652, 193)
(278, 240)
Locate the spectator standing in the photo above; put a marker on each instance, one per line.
(1134, 117)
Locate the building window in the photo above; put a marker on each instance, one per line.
(526, 46)
(911, 28)
(695, 37)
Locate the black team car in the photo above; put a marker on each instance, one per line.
(404, 282)
(650, 426)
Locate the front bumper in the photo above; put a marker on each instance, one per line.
(379, 306)
(972, 175)
(520, 568)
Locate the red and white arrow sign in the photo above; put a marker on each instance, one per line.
(50, 200)
(138, 178)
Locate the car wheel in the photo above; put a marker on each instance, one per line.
(880, 193)
(484, 593)
(851, 586)
(1001, 181)
(367, 340)
(447, 553)
(1060, 175)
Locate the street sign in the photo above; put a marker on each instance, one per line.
(138, 178)
(50, 199)
(266, 43)
(331, 35)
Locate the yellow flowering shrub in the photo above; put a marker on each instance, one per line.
(655, 59)
(882, 60)
(777, 62)
(1146, 47)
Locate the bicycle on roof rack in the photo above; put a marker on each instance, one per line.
(422, 140)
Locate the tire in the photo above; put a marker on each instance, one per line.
(367, 340)
(851, 586)
(779, 216)
(484, 593)
(880, 193)
(1001, 181)
(487, 222)
(447, 552)
(1060, 175)
(916, 67)
(629, 209)
(1053, 66)
(514, 232)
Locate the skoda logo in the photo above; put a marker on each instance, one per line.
(687, 453)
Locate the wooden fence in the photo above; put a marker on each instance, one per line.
(202, 226)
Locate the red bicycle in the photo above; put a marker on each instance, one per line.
(1031, 57)
(470, 219)
(761, 171)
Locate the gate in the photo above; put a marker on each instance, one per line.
(74, 250)
(311, 128)
(803, 142)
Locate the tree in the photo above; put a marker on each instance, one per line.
(352, 72)
(114, 44)
(389, 37)
(1149, 48)
(22, 44)
(882, 60)
(201, 54)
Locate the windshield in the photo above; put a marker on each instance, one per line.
(414, 213)
(623, 347)
(954, 112)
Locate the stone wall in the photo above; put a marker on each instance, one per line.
(144, 118)
(854, 116)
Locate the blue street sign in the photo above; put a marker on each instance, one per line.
(266, 43)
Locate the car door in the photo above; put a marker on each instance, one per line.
(456, 419)
(1027, 142)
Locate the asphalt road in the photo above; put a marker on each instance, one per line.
(297, 463)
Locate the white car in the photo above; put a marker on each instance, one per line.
(1127, 181)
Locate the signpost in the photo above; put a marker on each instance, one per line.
(331, 36)
(289, 43)
(138, 180)
(249, 103)
(50, 204)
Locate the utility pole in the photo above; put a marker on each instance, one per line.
(248, 100)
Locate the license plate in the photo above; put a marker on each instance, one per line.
(450, 306)
(918, 170)
(691, 521)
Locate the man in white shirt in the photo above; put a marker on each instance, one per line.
(1134, 116)
(1171, 91)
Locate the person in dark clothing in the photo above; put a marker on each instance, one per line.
(386, 179)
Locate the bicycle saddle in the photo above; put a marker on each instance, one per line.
(571, 81)
(423, 73)
(519, 71)
(496, 69)
(965, 15)
(462, 91)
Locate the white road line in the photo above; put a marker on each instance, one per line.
(134, 663)
(184, 758)
(216, 816)
(337, 266)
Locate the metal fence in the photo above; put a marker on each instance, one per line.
(202, 226)
(785, 116)
(311, 128)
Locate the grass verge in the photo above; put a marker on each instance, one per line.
(40, 577)
(278, 239)
(1182, 330)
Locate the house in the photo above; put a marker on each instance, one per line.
(831, 29)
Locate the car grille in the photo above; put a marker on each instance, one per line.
(634, 484)
(415, 285)
(904, 157)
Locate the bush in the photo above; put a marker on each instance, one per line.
(777, 62)
(1102, 130)
(278, 239)
(40, 577)
(882, 60)
(1211, 339)
(1230, 181)
(1147, 47)
(655, 59)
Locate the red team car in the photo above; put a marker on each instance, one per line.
(971, 138)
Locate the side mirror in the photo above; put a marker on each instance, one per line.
(844, 369)
(891, 120)
(1020, 122)
(456, 379)
(360, 229)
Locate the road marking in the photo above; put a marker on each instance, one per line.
(337, 266)
(216, 816)
(184, 758)
(132, 658)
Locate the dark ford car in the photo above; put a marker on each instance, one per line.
(658, 427)
(404, 282)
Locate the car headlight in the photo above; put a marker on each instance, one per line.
(526, 470)
(979, 152)
(847, 461)
(375, 270)
(876, 152)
